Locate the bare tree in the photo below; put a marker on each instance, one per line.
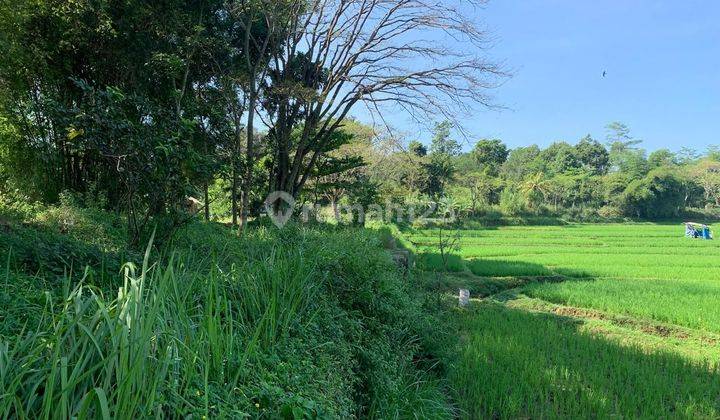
(341, 53)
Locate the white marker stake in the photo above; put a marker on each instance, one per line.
(464, 297)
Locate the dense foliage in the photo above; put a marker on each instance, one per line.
(587, 181)
(148, 103)
(290, 323)
(122, 123)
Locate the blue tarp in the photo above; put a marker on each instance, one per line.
(706, 233)
(695, 230)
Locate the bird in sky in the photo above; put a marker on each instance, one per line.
(604, 73)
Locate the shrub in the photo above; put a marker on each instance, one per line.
(297, 323)
(610, 212)
(512, 202)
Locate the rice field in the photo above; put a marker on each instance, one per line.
(644, 270)
(520, 364)
(603, 320)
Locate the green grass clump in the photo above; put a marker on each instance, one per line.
(289, 323)
(688, 303)
(501, 268)
(434, 262)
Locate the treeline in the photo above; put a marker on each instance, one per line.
(588, 180)
(142, 104)
(136, 106)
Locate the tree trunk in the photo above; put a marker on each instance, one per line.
(335, 209)
(207, 202)
(233, 194)
(282, 151)
(247, 178)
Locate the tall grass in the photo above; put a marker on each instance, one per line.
(296, 324)
(132, 356)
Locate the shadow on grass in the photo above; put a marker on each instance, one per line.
(431, 261)
(508, 268)
(479, 287)
(486, 277)
(514, 364)
(502, 268)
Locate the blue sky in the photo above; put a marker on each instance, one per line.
(662, 60)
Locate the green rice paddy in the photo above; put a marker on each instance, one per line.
(600, 321)
(646, 270)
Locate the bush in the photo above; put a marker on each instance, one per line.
(660, 195)
(610, 212)
(512, 202)
(103, 229)
(293, 323)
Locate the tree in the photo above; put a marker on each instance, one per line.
(104, 96)
(490, 155)
(559, 188)
(624, 155)
(343, 171)
(661, 158)
(480, 185)
(441, 171)
(660, 194)
(575, 189)
(417, 148)
(634, 163)
(613, 185)
(522, 162)
(618, 132)
(343, 53)
(535, 188)
(687, 156)
(398, 170)
(363, 194)
(441, 168)
(262, 24)
(592, 155)
(707, 174)
(560, 157)
(511, 201)
(713, 153)
(442, 143)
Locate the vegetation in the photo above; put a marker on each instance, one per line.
(291, 323)
(142, 148)
(587, 181)
(570, 318)
(149, 104)
(516, 363)
(96, 101)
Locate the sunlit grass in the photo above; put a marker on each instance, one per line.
(690, 303)
(143, 352)
(644, 270)
(516, 364)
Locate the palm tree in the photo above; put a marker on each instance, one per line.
(535, 188)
